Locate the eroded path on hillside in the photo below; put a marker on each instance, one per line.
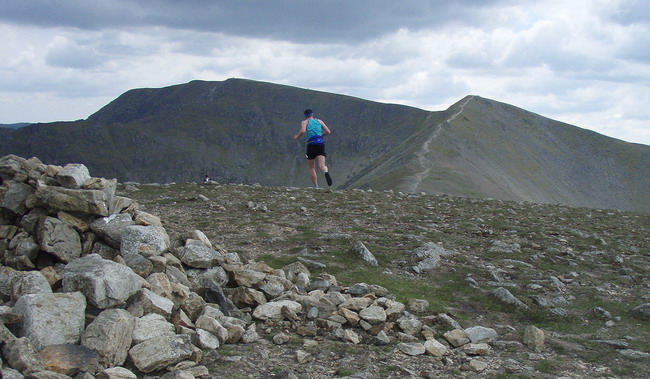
(422, 154)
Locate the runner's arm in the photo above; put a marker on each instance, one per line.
(326, 130)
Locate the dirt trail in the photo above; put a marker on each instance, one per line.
(425, 163)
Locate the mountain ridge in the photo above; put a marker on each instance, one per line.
(240, 130)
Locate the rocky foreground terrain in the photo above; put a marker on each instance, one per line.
(235, 281)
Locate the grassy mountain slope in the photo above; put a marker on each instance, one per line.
(484, 148)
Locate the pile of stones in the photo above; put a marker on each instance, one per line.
(92, 286)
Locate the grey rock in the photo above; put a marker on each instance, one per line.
(642, 311)
(505, 247)
(213, 326)
(59, 239)
(477, 349)
(30, 221)
(410, 325)
(456, 337)
(28, 248)
(435, 348)
(534, 338)
(197, 254)
(382, 338)
(281, 338)
(359, 289)
(15, 196)
(601, 313)
(71, 200)
(68, 359)
(147, 241)
(411, 348)
(505, 296)
(29, 282)
(139, 264)
(477, 334)
(151, 326)
(542, 301)
(73, 175)
(21, 355)
(110, 335)
(431, 250)
(636, 354)
(9, 373)
(10, 165)
(158, 353)
(206, 340)
(110, 228)
(373, 315)
(150, 302)
(103, 282)
(40, 311)
(417, 305)
(560, 312)
(292, 271)
(116, 373)
(47, 374)
(7, 278)
(108, 187)
(274, 286)
(273, 310)
(362, 251)
(202, 278)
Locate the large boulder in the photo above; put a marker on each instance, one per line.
(160, 352)
(151, 326)
(197, 254)
(273, 310)
(52, 318)
(362, 251)
(642, 311)
(146, 301)
(69, 359)
(111, 228)
(110, 335)
(20, 354)
(10, 165)
(93, 202)
(105, 283)
(29, 282)
(147, 241)
(14, 199)
(73, 175)
(59, 239)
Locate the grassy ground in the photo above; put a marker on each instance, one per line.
(601, 257)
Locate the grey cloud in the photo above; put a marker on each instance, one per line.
(631, 12)
(291, 20)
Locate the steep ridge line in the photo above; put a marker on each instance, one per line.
(421, 155)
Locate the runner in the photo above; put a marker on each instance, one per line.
(314, 130)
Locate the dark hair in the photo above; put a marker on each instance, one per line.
(308, 112)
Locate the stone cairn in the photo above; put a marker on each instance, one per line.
(91, 286)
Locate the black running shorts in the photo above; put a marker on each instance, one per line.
(315, 150)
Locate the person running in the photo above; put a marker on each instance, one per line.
(314, 130)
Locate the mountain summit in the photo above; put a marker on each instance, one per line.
(240, 131)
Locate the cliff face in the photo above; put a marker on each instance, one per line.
(240, 131)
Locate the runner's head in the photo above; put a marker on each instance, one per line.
(308, 113)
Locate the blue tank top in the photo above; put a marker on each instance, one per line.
(314, 132)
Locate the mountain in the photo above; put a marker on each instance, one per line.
(240, 131)
(17, 125)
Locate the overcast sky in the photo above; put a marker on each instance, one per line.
(585, 62)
